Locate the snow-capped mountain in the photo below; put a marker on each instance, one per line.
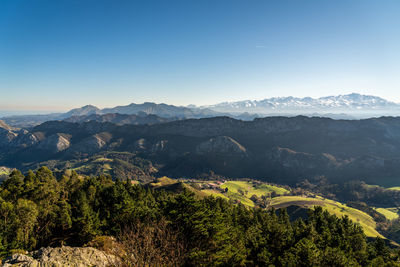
(341, 103)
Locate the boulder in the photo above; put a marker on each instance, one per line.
(62, 256)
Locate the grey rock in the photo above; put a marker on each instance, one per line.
(159, 146)
(6, 137)
(55, 143)
(91, 144)
(62, 256)
(140, 144)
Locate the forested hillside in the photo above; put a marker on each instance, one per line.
(155, 226)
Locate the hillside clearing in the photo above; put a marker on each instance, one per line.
(253, 188)
(333, 207)
(214, 193)
(390, 215)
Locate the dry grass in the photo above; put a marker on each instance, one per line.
(390, 215)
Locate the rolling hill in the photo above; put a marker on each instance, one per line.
(333, 207)
(243, 191)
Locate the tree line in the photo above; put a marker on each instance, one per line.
(174, 229)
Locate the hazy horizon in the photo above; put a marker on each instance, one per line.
(41, 111)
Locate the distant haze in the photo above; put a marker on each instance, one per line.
(4, 113)
(350, 106)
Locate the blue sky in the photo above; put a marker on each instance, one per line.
(55, 55)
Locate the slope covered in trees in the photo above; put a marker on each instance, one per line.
(38, 210)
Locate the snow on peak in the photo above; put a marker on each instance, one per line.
(329, 103)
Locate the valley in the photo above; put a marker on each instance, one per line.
(291, 167)
(294, 165)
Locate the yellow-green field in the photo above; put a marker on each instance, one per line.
(163, 181)
(371, 186)
(333, 207)
(86, 167)
(388, 213)
(242, 191)
(214, 193)
(103, 160)
(240, 198)
(229, 196)
(394, 188)
(250, 188)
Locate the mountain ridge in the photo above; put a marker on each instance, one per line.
(350, 102)
(350, 106)
(163, 111)
(120, 119)
(280, 148)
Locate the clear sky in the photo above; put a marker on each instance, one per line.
(59, 54)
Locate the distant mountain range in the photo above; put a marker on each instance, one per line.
(162, 110)
(351, 103)
(351, 106)
(121, 119)
(164, 113)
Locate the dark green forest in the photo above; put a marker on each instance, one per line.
(173, 229)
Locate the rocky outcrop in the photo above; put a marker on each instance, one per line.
(25, 139)
(4, 126)
(159, 146)
(140, 144)
(62, 256)
(12, 138)
(55, 143)
(92, 144)
(221, 145)
(6, 137)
